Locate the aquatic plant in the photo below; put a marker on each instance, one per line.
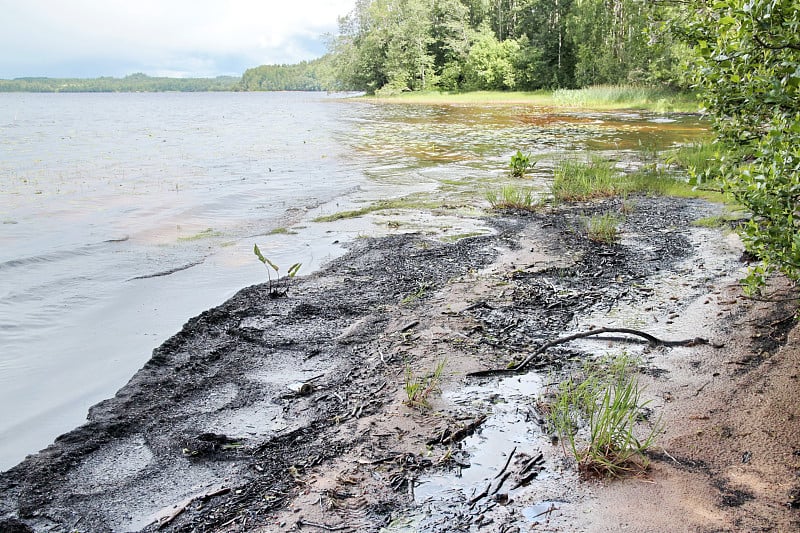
(520, 163)
(409, 202)
(276, 291)
(596, 415)
(419, 389)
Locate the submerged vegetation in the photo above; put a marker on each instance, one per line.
(411, 202)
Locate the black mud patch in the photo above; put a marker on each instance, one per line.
(730, 497)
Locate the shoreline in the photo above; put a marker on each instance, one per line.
(211, 427)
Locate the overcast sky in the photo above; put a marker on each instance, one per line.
(201, 38)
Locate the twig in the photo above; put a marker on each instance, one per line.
(500, 484)
(768, 299)
(510, 456)
(782, 320)
(548, 511)
(654, 341)
(668, 455)
(536, 461)
(164, 520)
(478, 497)
(706, 384)
(301, 523)
(525, 480)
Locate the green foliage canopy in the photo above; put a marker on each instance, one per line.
(396, 45)
(748, 58)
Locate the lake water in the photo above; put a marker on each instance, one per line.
(123, 215)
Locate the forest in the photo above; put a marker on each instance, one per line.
(400, 45)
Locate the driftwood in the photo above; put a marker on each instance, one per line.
(654, 341)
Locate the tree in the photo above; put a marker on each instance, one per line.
(452, 38)
(748, 59)
(491, 63)
(551, 54)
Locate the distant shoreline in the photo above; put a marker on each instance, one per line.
(131, 83)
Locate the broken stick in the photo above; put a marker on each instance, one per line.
(654, 341)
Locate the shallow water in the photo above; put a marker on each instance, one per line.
(122, 215)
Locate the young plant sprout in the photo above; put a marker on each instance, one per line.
(275, 290)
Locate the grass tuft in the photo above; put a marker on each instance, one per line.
(628, 96)
(511, 197)
(596, 415)
(603, 228)
(419, 389)
(576, 181)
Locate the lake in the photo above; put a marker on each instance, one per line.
(123, 215)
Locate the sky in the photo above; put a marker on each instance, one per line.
(180, 38)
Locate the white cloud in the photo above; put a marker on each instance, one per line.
(192, 37)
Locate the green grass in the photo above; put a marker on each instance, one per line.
(511, 197)
(459, 236)
(724, 220)
(625, 96)
(701, 160)
(282, 231)
(380, 205)
(603, 228)
(660, 183)
(419, 389)
(576, 181)
(422, 288)
(598, 97)
(596, 415)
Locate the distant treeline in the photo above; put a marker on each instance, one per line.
(132, 83)
(314, 75)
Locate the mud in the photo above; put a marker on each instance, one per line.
(282, 414)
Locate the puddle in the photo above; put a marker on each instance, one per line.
(510, 437)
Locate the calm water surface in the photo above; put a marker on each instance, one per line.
(122, 215)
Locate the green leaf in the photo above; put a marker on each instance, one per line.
(293, 269)
(258, 254)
